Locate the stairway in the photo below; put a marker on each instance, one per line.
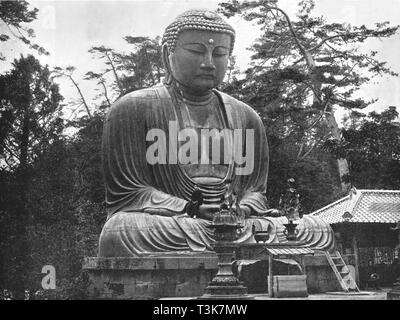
(341, 271)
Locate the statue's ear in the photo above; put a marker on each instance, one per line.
(167, 65)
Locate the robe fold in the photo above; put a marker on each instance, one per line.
(133, 186)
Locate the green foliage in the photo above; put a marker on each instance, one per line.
(30, 112)
(140, 68)
(14, 15)
(371, 143)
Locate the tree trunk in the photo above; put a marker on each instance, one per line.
(343, 166)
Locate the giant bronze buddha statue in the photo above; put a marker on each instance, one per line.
(150, 181)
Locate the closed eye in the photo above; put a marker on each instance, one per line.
(195, 48)
(217, 54)
(195, 51)
(220, 52)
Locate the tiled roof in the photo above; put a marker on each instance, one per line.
(363, 206)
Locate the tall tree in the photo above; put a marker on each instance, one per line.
(303, 68)
(30, 120)
(30, 112)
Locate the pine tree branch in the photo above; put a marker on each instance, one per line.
(334, 37)
(115, 73)
(105, 93)
(291, 29)
(81, 95)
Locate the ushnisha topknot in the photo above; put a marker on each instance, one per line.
(200, 19)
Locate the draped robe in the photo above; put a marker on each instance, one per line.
(133, 186)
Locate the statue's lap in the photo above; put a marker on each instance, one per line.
(130, 234)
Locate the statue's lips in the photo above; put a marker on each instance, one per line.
(206, 76)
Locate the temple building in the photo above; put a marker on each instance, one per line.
(366, 226)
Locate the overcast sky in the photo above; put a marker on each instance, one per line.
(67, 29)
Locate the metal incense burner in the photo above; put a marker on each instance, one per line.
(226, 225)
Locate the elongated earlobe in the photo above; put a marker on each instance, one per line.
(167, 66)
(231, 62)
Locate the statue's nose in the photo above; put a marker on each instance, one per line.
(208, 63)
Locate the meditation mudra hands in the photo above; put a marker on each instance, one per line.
(207, 211)
(194, 208)
(197, 209)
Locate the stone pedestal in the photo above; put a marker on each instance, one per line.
(150, 277)
(189, 275)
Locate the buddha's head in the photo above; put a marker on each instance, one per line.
(196, 50)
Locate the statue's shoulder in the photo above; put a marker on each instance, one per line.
(240, 106)
(151, 93)
(137, 101)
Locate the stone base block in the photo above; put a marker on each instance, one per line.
(188, 275)
(150, 277)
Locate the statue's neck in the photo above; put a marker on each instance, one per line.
(195, 98)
